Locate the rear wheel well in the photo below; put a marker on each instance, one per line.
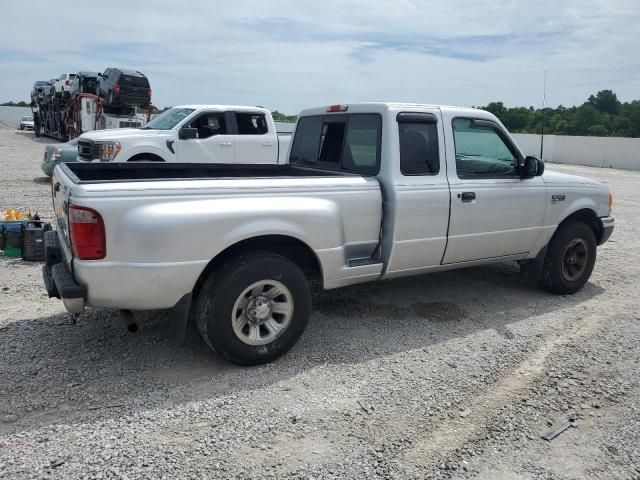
(146, 157)
(588, 217)
(295, 250)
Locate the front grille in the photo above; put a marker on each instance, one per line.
(126, 124)
(87, 150)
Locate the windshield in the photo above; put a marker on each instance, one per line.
(27, 118)
(169, 119)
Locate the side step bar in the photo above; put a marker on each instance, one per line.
(361, 262)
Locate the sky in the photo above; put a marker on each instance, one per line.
(288, 55)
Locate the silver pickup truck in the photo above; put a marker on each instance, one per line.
(372, 191)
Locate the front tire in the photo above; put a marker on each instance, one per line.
(570, 259)
(253, 308)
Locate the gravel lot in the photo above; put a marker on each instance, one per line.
(450, 375)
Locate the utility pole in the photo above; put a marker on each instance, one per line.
(544, 102)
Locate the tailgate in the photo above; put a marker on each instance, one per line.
(61, 186)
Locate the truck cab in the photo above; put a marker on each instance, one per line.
(193, 134)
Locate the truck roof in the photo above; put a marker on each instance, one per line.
(224, 107)
(378, 107)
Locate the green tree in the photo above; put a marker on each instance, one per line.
(602, 114)
(598, 131)
(281, 117)
(606, 101)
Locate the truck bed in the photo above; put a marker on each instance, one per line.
(83, 173)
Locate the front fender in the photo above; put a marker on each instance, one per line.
(564, 202)
(594, 199)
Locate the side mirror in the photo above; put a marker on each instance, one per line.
(532, 167)
(187, 133)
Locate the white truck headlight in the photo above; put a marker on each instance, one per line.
(108, 151)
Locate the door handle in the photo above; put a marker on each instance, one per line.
(267, 144)
(225, 144)
(467, 197)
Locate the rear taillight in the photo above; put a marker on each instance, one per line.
(87, 233)
(67, 82)
(149, 92)
(116, 89)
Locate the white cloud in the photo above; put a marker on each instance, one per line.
(288, 55)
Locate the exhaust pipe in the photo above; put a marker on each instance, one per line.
(130, 322)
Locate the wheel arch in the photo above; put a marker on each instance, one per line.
(587, 216)
(146, 155)
(290, 247)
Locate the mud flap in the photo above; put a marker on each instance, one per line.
(532, 270)
(178, 319)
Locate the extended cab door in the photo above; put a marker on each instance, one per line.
(494, 212)
(416, 209)
(254, 142)
(215, 142)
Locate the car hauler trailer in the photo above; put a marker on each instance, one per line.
(63, 119)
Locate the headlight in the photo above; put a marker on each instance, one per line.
(108, 151)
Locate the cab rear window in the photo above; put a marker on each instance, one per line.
(349, 142)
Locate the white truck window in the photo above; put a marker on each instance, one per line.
(361, 151)
(210, 124)
(418, 148)
(251, 123)
(331, 141)
(480, 152)
(339, 142)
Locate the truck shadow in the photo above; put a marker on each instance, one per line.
(55, 368)
(44, 180)
(30, 135)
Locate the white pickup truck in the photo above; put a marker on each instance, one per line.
(372, 191)
(192, 134)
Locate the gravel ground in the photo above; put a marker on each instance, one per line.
(450, 375)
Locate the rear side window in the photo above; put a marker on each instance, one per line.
(339, 142)
(418, 148)
(251, 123)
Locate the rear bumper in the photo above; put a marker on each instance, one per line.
(132, 99)
(607, 223)
(114, 284)
(58, 279)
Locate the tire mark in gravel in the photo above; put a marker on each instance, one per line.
(458, 431)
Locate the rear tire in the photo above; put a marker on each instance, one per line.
(253, 308)
(570, 259)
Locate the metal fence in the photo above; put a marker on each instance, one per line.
(603, 152)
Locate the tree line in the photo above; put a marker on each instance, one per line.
(14, 104)
(602, 115)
